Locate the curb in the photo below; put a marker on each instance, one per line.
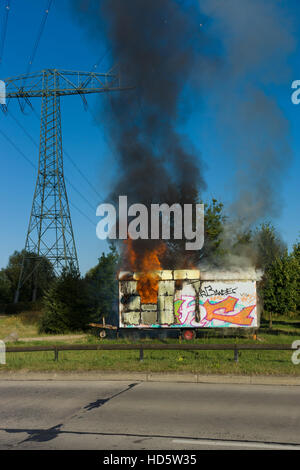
(150, 377)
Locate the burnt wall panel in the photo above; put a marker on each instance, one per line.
(188, 299)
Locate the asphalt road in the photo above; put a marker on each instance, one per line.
(147, 415)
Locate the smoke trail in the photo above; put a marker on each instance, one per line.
(151, 41)
(234, 53)
(256, 39)
(154, 44)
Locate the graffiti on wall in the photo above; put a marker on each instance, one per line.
(191, 303)
(218, 309)
(228, 312)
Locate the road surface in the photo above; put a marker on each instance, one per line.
(147, 415)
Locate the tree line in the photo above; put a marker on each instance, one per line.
(71, 301)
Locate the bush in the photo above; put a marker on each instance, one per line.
(296, 258)
(102, 288)
(5, 287)
(9, 277)
(280, 285)
(14, 309)
(66, 306)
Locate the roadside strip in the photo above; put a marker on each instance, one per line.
(151, 377)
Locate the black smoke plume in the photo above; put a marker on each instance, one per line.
(155, 44)
(233, 52)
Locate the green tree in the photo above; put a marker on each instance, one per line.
(296, 256)
(44, 273)
(66, 304)
(5, 288)
(279, 292)
(270, 254)
(214, 221)
(102, 287)
(267, 245)
(177, 256)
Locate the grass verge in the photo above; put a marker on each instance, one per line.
(201, 362)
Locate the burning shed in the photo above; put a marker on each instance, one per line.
(188, 299)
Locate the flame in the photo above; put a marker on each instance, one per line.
(146, 264)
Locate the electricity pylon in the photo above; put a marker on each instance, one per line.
(50, 233)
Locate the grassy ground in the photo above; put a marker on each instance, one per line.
(220, 362)
(23, 324)
(206, 362)
(281, 324)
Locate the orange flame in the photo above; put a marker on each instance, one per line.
(147, 284)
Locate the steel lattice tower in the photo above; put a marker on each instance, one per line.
(50, 233)
(50, 230)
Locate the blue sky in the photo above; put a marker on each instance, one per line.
(64, 45)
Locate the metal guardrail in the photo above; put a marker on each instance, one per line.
(153, 347)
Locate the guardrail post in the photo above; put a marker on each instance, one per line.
(236, 355)
(141, 354)
(55, 354)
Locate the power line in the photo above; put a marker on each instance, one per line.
(96, 65)
(37, 146)
(82, 213)
(35, 113)
(23, 128)
(40, 32)
(81, 195)
(34, 166)
(76, 166)
(35, 47)
(82, 174)
(17, 149)
(3, 36)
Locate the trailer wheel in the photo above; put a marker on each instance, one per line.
(102, 334)
(189, 335)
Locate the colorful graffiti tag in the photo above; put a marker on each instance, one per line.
(230, 306)
(228, 312)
